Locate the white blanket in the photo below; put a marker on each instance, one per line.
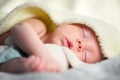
(107, 70)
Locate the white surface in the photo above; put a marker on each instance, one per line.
(106, 10)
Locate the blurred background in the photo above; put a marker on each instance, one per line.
(106, 10)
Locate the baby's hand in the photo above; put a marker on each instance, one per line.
(46, 64)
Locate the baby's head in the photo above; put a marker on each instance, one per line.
(91, 42)
(81, 39)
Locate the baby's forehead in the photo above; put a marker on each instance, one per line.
(80, 25)
(84, 26)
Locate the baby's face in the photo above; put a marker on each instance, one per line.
(80, 39)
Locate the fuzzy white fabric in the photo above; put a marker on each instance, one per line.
(106, 10)
(106, 70)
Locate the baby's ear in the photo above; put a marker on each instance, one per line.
(58, 53)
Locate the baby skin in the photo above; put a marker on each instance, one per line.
(33, 33)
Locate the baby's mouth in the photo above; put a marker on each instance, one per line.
(67, 43)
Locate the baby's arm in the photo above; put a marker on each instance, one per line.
(26, 36)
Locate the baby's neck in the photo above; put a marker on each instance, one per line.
(46, 38)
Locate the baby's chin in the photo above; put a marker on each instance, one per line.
(57, 42)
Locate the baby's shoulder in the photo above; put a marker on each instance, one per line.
(38, 25)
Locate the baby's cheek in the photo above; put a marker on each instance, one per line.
(80, 55)
(90, 58)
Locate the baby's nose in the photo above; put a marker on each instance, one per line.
(80, 45)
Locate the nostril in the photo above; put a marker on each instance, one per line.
(79, 42)
(79, 47)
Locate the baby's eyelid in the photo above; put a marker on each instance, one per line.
(82, 32)
(86, 55)
(85, 34)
